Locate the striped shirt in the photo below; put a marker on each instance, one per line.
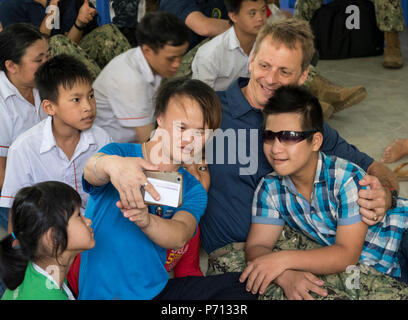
(333, 202)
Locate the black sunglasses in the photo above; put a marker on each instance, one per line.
(286, 137)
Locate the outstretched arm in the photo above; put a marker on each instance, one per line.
(126, 175)
(171, 233)
(327, 260)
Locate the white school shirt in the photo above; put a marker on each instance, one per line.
(221, 61)
(16, 113)
(124, 93)
(35, 157)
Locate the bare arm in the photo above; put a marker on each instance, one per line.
(3, 161)
(296, 284)
(261, 240)
(205, 26)
(327, 260)
(126, 175)
(85, 15)
(171, 233)
(332, 259)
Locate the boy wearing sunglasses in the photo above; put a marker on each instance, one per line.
(315, 194)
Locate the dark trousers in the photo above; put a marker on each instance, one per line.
(403, 257)
(4, 216)
(220, 287)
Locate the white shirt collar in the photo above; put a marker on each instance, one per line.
(8, 89)
(48, 276)
(145, 68)
(233, 42)
(48, 140)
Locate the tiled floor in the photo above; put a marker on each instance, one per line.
(380, 118)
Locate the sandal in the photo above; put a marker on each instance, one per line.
(402, 175)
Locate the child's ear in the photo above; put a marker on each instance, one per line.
(317, 141)
(48, 241)
(147, 51)
(48, 107)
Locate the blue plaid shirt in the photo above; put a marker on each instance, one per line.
(333, 203)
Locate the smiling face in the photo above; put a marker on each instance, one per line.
(271, 67)
(250, 18)
(75, 108)
(183, 129)
(290, 159)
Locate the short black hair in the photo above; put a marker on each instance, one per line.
(296, 99)
(195, 89)
(64, 70)
(160, 28)
(14, 41)
(235, 5)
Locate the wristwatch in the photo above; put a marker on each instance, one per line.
(394, 198)
(78, 27)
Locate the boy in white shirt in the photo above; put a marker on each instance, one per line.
(58, 147)
(226, 57)
(125, 88)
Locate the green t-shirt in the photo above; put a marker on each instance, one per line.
(37, 285)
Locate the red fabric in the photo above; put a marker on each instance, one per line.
(268, 11)
(73, 275)
(184, 262)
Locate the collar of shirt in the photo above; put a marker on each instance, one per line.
(48, 276)
(236, 100)
(233, 42)
(48, 140)
(7, 90)
(139, 59)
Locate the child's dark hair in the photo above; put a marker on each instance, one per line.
(199, 91)
(62, 70)
(160, 28)
(35, 210)
(295, 99)
(14, 41)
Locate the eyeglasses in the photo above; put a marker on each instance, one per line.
(286, 137)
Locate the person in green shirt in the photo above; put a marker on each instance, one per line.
(49, 231)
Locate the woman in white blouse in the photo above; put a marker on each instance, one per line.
(23, 48)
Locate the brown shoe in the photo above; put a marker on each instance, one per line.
(328, 110)
(392, 51)
(339, 97)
